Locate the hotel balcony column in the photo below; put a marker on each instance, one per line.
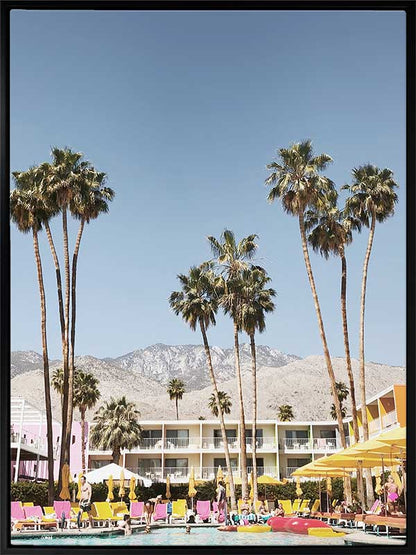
(200, 449)
(276, 435)
(311, 442)
(163, 450)
(16, 472)
(39, 443)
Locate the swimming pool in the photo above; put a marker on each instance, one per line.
(177, 536)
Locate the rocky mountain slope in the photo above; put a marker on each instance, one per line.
(302, 383)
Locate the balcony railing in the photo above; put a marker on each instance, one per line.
(151, 443)
(182, 443)
(297, 444)
(29, 439)
(325, 444)
(389, 419)
(374, 426)
(217, 443)
(290, 469)
(206, 473)
(262, 443)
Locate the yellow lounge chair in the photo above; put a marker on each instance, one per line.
(287, 506)
(49, 514)
(315, 506)
(258, 503)
(296, 505)
(74, 515)
(304, 505)
(119, 508)
(179, 509)
(103, 514)
(28, 504)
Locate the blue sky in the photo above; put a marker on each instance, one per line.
(183, 110)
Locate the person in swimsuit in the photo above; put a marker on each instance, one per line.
(222, 501)
(85, 501)
(149, 508)
(392, 494)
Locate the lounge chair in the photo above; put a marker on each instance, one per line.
(161, 512)
(137, 511)
(74, 515)
(296, 505)
(203, 510)
(35, 513)
(18, 517)
(62, 510)
(287, 506)
(388, 522)
(104, 514)
(304, 507)
(119, 508)
(315, 508)
(179, 509)
(215, 510)
(28, 504)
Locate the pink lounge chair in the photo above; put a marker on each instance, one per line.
(62, 508)
(375, 508)
(203, 509)
(36, 512)
(161, 512)
(137, 510)
(16, 511)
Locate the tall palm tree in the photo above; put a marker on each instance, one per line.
(86, 395)
(63, 181)
(197, 303)
(224, 402)
(90, 201)
(285, 413)
(232, 258)
(331, 231)
(176, 389)
(297, 182)
(116, 427)
(372, 200)
(256, 301)
(28, 212)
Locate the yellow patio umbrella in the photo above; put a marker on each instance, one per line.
(167, 494)
(227, 486)
(191, 486)
(65, 483)
(329, 486)
(312, 470)
(121, 491)
(220, 475)
(265, 479)
(132, 494)
(237, 480)
(298, 488)
(251, 495)
(397, 437)
(375, 447)
(110, 485)
(79, 486)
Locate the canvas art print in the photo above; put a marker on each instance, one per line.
(208, 265)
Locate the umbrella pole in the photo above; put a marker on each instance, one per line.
(384, 486)
(319, 489)
(361, 489)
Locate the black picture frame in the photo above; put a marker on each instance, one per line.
(298, 5)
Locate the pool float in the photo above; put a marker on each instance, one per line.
(257, 528)
(324, 532)
(227, 528)
(296, 525)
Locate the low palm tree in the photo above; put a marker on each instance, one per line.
(297, 181)
(224, 402)
(285, 413)
(256, 302)
(116, 427)
(86, 395)
(343, 393)
(28, 212)
(197, 303)
(232, 258)
(373, 199)
(176, 389)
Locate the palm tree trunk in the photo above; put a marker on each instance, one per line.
(70, 385)
(73, 318)
(347, 480)
(254, 425)
(321, 328)
(47, 386)
(58, 281)
(243, 447)
(66, 436)
(116, 454)
(364, 419)
(220, 414)
(82, 412)
(177, 408)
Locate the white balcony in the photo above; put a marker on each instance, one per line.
(28, 441)
(374, 426)
(296, 444)
(150, 443)
(212, 443)
(389, 419)
(324, 444)
(185, 443)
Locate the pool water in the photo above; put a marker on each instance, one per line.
(177, 536)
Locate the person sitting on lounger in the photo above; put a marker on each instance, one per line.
(246, 504)
(279, 511)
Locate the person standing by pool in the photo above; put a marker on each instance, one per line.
(149, 508)
(85, 501)
(222, 501)
(392, 493)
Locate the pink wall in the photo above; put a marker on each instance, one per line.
(31, 431)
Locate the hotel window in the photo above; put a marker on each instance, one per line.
(148, 465)
(231, 436)
(223, 464)
(177, 438)
(259, 437)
